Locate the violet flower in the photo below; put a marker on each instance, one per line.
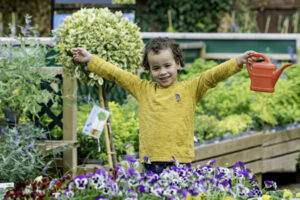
(69, 193)
(101, 198)
(235, 27)
(293, 57)
(45, 171)
(81, 182)
(270, 184)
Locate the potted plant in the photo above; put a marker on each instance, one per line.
(105, 34)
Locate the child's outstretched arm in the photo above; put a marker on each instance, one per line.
(108, 71)
(211, 77)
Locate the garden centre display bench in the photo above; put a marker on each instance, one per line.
(261, 152)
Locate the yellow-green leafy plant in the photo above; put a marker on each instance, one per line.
(124, 1)
(236, 123)
(103, 33)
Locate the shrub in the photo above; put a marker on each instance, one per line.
(103, 33)
(236, 123)
(187, 15)
(21, 75)
(125, 125)
(21, 159)
(207, 127)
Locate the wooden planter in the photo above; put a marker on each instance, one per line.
(261, 152)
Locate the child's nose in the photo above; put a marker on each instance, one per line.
(162, 71)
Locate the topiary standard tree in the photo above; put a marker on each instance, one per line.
(102, 33)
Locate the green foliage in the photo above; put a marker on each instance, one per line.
(187, 15)
(21, 62)
(233, 107)
(103, 33)
(125, 125)
(207, 127)
(236, 123)
(20, 158)
(125, 128)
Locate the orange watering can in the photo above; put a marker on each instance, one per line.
(263, 74)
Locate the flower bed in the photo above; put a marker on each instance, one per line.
(178, 182)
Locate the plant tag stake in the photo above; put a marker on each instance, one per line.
(96, 122)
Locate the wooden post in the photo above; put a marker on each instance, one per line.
(298, 50)
(107, 141)
(69, 122)
(267, 24)
(258, 177)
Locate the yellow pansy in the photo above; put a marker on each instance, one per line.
(287, 194)
(229, 198)
(189, 197)
(266, 197)
(203, 194)
(298, 195)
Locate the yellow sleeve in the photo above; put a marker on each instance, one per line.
(210, 78)
(110, 72)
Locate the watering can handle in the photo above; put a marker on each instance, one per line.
(258, 55)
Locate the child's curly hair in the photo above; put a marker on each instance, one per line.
(157, 44)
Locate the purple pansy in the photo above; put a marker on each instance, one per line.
(270, 184)
(101, 198)
(130, 159)
(81, 182)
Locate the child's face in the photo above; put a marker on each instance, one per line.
(163, 67)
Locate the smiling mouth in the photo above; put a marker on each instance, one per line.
(164, 79)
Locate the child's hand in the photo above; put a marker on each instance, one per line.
(81, 55)
(245, 57)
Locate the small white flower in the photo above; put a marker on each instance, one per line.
(163, 182)
(170, 192)
(56, 195)
(133, 183)
(38, 179)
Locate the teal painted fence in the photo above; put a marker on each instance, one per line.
(227, 45)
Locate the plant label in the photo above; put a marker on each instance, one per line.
(96, 122)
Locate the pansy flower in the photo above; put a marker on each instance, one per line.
(81, 182)
(69, 193)
(270, 184)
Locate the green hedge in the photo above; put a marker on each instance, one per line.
(187, 15)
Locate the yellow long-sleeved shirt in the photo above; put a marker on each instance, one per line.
(166, 114)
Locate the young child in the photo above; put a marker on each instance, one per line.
(165, 107)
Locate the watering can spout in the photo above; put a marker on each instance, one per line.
(278, 73)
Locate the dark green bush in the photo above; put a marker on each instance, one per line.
(187, 15)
